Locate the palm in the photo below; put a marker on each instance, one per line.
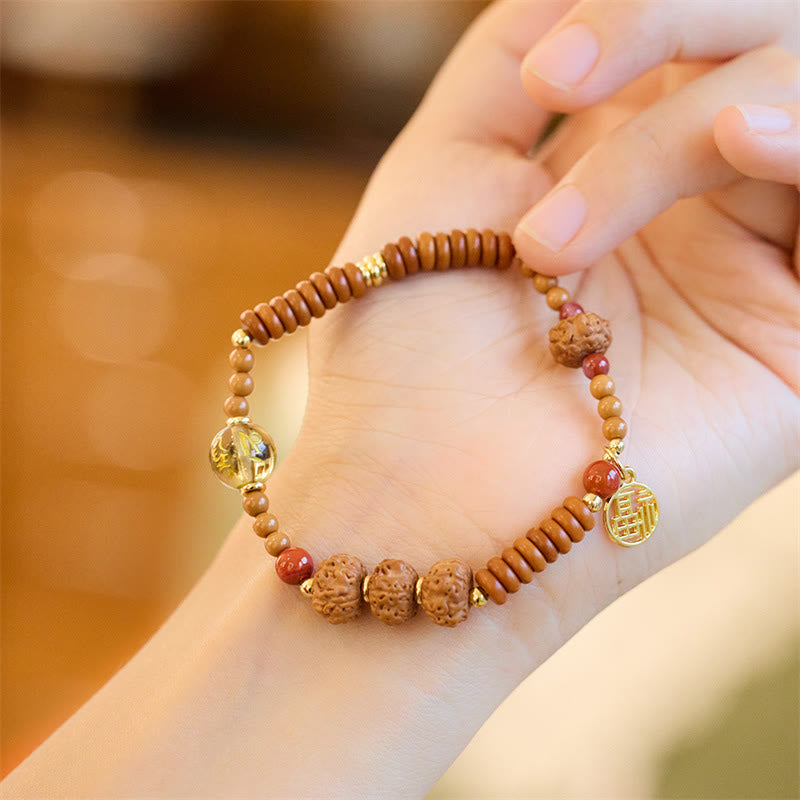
(436, 401)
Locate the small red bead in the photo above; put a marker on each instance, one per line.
(570, 310)
(601, 478)
(595, 364)
(294, 565)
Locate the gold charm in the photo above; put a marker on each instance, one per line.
(631, 515)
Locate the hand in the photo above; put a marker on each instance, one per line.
(436, 416)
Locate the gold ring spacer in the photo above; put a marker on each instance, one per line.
(307, 586)
(477, 598)
(255, 486)
(365, 588)
(418, 590)
(593, 501)
(240, 338)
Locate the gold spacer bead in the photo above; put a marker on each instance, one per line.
(365, 588)
(593, 501)
(418, 590)
(477, 598)
(374, 269)
(616, 447)
(256, 486)
(307, 586)
(237, 421)
(240, 338)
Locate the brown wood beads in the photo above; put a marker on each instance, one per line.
(341, 587)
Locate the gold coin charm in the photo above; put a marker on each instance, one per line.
(631, 515)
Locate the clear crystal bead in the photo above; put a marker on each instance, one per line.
(242, 453)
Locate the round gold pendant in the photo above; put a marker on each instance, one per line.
(631, 515)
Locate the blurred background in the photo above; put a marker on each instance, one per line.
(162, 164)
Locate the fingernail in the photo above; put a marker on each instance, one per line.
(565, 59)
(556, 220)
(765, 119)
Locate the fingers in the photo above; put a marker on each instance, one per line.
(639, 170)
(602, 45)
(477, 95)
(761, 141)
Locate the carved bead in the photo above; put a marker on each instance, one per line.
(445, 590)
(336, 593)
(574, 338)
(390, 592)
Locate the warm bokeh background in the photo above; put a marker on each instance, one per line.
(165, 164)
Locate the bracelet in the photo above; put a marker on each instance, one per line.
(243, 454)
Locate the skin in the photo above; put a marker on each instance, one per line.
(438, 425)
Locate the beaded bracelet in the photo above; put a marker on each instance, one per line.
(243, 454)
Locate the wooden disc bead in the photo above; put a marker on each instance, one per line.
(443, 251)
(358, 286)
(557, 535)
(265, 524)
(491, 587)
(300, 309)
(601, 386)
(615, 428)
(276, 543)
(236, 406)
(255, 503)
(488, 248)
(394, 262)
(241, 384)
(444, 592)
(312, 298)
(545, 546)
(474, 248)
(241, 359)
(531, 553)
(254, 326)
(426, 247)
(336, 591)
(324, 288)
(339, 282)
(544, 283)
(556, 297)
(505, 251)
(580, 511)
(609, 406)
(522, 569)
(390, 593)
(285, 314)
(266, 313)
(458, 249)
(571, 525)
(503, 573)
(410, 255)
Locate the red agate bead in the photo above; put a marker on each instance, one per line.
(294, 565)
(570, 309)
(601, 478)
(595, 364)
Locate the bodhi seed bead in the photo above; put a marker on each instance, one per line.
(264, 524)
(544, 283)
(255, 503)
(609, 406)
(241, 383)
(241, 360)
(276, 543)
(601, 386)
(615, 428)
(236, 406)
(556, 297)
